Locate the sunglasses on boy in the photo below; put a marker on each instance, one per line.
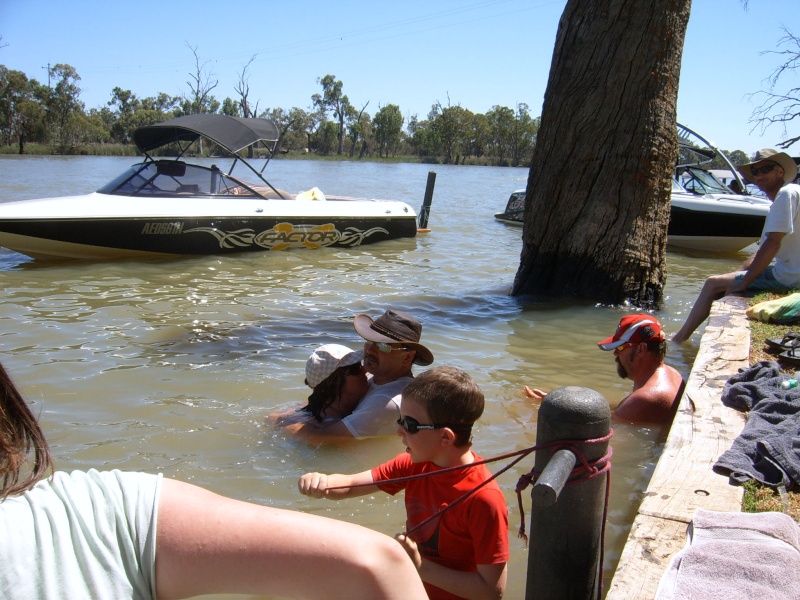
(411, 425)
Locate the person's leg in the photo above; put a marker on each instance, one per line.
(713, 289)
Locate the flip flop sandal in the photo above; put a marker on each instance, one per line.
(789, 341)
(791, 356)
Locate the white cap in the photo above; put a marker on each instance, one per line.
(326, 359)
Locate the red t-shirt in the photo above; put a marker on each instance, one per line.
(474, 532)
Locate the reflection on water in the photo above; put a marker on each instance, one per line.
(171, 365)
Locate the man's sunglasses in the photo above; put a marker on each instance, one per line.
(763, 169)
(384, 347)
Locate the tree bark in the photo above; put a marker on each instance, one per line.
(597, 206)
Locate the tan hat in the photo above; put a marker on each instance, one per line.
(394, 327)
(326, 359)
(781, 158)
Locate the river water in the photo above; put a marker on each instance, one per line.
(172, 365)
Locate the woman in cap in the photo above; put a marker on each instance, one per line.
(338, 383)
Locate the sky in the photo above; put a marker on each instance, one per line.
(414, 53)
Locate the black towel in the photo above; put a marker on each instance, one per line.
(768, 449)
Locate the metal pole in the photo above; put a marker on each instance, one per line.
(425, 211)
(565, 536)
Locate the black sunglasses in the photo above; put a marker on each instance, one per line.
(413, 426)
(763, 169)
(353, 369)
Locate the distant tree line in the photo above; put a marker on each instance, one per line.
(53, 115)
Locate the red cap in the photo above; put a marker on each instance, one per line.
(635, 329)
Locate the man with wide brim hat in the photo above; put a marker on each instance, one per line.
(772, 172)
(392, 346)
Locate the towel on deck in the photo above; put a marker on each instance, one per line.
(735, 555)
(768, 448)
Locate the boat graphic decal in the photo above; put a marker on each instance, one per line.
(228, 239)
(288, 235)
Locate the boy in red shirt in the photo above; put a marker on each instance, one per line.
(463, 552)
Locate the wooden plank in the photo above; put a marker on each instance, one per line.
(651, 544)
(683, 480)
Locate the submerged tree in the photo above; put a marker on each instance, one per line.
(597, 206)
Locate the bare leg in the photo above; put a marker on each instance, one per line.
(713, 289)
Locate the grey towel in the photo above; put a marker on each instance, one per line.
(768, 449)
(735, 555)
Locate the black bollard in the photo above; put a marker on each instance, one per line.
(564, 546)
(425, 211)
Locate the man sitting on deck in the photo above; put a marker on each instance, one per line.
(773, 172)
(639, 347)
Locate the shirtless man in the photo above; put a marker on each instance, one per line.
(639, 346)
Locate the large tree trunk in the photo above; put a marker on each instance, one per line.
(597, 207)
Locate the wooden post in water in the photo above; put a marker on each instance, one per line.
(425, 211)
(566, 524)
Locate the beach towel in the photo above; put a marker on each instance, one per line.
(768, 448)
(734, 555)
(782, 311)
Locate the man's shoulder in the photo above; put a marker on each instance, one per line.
(391, 388)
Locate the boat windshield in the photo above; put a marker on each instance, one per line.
(170, 177)
(700, 181)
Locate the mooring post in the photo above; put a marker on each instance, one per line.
(564, 542)
(425, 211)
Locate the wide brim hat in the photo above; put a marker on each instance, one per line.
(326, 359)
(783, 159)
(634, 329)
(394, 327)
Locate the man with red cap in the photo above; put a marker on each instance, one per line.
(639, 347)
(773, 172)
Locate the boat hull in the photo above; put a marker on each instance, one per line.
(170, 230)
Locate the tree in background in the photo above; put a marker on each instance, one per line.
(332, 99)
(201, 85)
(22, 112)
(387, 126)
(781, 107)
(359, 130)
(64, 109)
(597, 206)
(243, 89)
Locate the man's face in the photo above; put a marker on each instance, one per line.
(768, 176)
(623, 356)
(385, 364)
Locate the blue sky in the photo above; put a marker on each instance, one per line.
(472, 53)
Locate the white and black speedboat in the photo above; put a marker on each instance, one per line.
(168, 206)
(705, 214)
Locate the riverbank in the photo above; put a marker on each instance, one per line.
(683, 480)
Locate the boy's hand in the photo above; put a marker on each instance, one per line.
(313, 484)
(410, 546)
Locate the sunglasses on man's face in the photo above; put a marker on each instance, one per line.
(764, 169)
(387, 348)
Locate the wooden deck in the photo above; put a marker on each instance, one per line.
(683, 480)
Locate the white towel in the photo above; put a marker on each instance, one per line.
(753, 556)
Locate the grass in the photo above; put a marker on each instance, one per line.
(758, 498)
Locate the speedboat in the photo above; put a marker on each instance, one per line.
(705, 214)
(168, 206)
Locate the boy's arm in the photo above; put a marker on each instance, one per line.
(317, 485)
(488, 583)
